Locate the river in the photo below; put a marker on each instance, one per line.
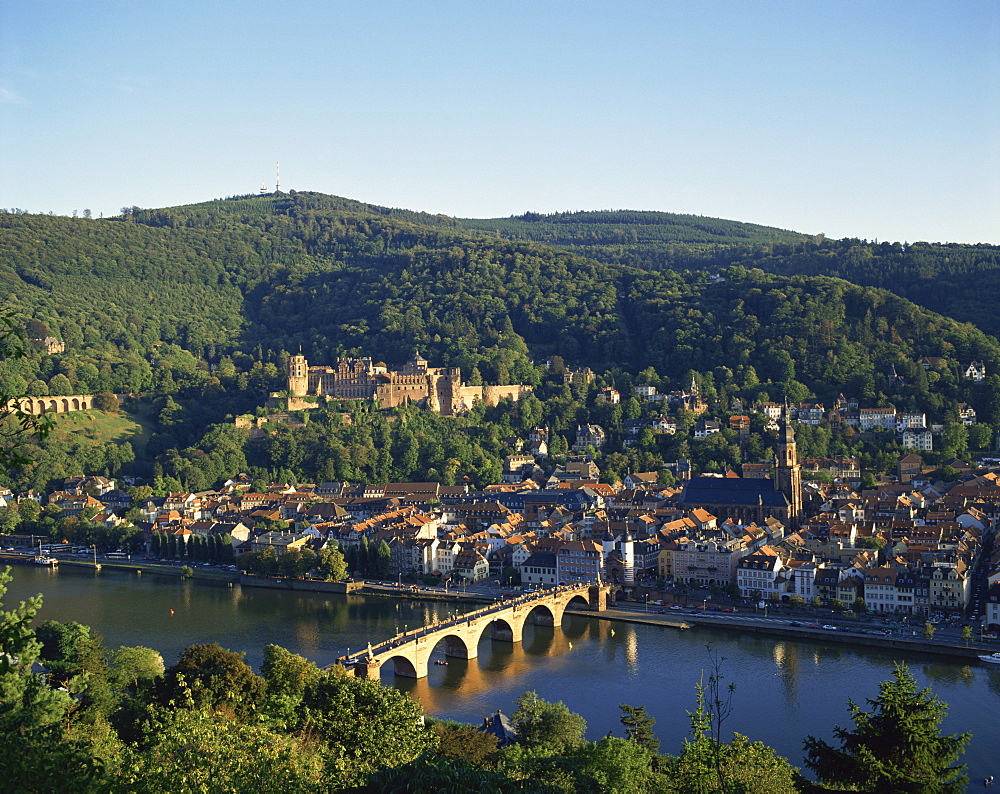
(784, 690)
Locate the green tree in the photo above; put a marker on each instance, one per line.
(639, 726)
(551, 727)
(10, 517)
(287, 677)
(17, 426)
(980, 436)
(966, 634)
(365, 556)
(954, 439)
(366, 725)
(929, 631)
(707, 764)
(897, 746)
(70, 651)
(107, 402)
(466, 743)
(746, 766)
(132, 666)
(200, 749)
(383, 560)
(210, 676)
(428, 773)
(616, 766)
(331, 564)
(37, 755)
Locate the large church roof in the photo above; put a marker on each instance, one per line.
(732, 491)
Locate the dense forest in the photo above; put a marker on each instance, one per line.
(195, 311)
(948, 278)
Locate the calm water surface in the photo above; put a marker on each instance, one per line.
(785, 690)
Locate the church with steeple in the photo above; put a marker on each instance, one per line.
(754, 500)
(787, 477)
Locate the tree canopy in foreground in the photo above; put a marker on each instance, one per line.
(895, 747)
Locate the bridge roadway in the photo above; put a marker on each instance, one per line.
(410, 651)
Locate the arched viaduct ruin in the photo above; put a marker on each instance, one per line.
(59, 404)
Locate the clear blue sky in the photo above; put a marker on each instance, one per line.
(876, 119)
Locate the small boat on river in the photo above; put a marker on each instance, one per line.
(993, 658)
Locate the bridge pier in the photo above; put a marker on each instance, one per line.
(503, 622)
(458, 649)
(600, 597)
(504, 631)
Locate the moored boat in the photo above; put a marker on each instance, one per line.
(993, 658)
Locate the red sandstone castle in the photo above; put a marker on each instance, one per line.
(439, 389)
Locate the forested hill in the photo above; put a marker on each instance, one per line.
(652, 240)
(948, 278)
(333, 276)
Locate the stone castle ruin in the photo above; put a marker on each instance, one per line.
(59, 404)
(439, 389)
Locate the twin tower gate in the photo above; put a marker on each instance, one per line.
(410, 651)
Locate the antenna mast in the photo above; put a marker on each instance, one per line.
(277, 179)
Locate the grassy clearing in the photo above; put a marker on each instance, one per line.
(102, 428)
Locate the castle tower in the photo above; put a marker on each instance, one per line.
(298, 376)
(787, 471)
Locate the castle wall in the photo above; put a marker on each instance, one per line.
(439, 388)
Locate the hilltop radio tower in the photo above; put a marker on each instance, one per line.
(263, 188)
(277, 179)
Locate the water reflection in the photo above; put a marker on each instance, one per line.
(993, 680)
(787, 662)
(785, 690)
(497, 662)
(952, 673)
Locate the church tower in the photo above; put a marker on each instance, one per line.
(787, 471)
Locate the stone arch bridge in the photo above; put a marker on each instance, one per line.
(410, 652)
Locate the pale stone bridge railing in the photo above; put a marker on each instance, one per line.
(410, 651)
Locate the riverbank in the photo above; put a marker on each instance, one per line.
(735, 623)
(141, 567)
(730, 622)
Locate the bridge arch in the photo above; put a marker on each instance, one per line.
(403, 666)
(545, 614)
(502, 621)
